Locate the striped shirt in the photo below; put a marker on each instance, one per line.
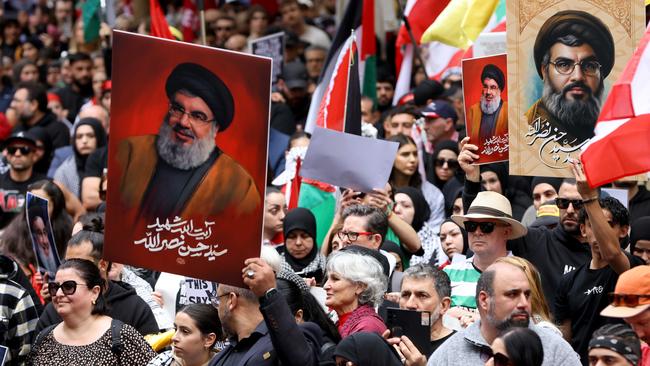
(464, 276)
(18, 318)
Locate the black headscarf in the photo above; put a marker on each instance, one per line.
(640, 231)
(302, 219)
(465, 238)
(442, 145)
(367, 349)
(100, 135)
(501, 170)
(422, 210)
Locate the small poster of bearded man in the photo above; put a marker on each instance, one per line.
(486, 106)
(187, 157)
(563, 57)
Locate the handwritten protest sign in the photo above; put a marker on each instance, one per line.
(486, 106)
(185, 192)
(271, 46)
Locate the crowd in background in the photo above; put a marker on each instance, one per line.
(511, 270)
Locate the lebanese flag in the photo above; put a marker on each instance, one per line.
(336, 102)
(621, 145)
(189, 20)
(159, 26)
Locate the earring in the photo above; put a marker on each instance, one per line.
(94, 302)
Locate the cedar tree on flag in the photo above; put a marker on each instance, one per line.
(621, 145)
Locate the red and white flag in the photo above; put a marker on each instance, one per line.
(621, 145)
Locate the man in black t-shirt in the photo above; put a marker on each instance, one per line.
(582, 294)
(20, 151)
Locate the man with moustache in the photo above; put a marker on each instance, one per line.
(574, 53)
(180, 171)
(489, 117)
(80, 90)
(503, 299)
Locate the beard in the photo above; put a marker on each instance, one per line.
(179, 156)
(226, 319)
(503, 324)
(577, 116)
(489, 107)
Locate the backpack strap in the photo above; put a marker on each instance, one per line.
(40, 336)
(116, 340)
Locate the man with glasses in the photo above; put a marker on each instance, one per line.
(489, 225)
(582, 294)
(20, 152)
(180, 171)
(503, 296)
(630, 301)
(574, 53)
(489, 117)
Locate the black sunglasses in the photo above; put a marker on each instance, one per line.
(451, 163)
(24, 150)
(68, 287)
(563, 203)
(486, 227)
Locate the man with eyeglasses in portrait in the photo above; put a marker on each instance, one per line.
(630, 301)
(20, 152)
(573, 53)
(180, 171)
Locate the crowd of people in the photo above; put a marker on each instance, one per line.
(500, 269)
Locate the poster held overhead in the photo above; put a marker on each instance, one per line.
(185, 190)
(41, 234)
(271, 46)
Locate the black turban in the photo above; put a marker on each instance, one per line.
(204, 84)
(491, 71)
(584, 26)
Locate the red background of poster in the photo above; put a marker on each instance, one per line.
(141, 65)
(473, 86)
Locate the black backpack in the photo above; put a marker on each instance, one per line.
(116, 340)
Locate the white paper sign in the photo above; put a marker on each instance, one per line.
(619, 194)
(349, 161)
(488, 44)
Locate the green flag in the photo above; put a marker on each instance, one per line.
(90, 17)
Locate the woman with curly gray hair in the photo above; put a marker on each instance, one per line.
(355, 286)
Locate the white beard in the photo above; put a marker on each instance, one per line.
(488, 107)
(183, 157)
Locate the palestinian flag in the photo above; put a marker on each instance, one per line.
(336, 102)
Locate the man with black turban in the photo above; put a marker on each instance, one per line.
(489, 117)
(574, 53)
(180, 171)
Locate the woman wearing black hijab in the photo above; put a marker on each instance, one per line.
(300, 250)
(88, 136)
(366, 349)
(443, 164)
(494, 177)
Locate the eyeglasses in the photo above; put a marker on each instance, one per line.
(352, 236)
(215, 299)
(563, 203)
(565, 66)
(24, 150)
(196, 118)
(68, 287)
(630, 300)
(486, 227)
(451, 163)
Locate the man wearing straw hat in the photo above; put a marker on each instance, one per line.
(489, 226)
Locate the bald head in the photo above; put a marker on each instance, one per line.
(97, 112)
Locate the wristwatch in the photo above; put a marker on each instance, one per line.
(268, 295)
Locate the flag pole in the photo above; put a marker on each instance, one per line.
(416, 49)
(199, 4)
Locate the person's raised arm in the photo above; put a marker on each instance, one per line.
(466, 158)
(610, 249)
(408, 237)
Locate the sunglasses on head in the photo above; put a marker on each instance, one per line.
(67, 287)
(451, 163)
(630, 300)
(563, 203)
(486, 227)
(24, 150)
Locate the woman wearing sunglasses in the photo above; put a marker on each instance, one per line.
(85, 335)
(443, 166)
(516, 347)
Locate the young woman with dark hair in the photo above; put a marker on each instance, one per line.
(517, 347)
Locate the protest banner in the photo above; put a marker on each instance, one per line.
(177, 200)
(486, 106)
(563, 57)
(271, 46)
(40, 229)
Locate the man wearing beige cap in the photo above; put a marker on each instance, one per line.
(631, 301)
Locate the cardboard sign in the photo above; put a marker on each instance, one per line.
(271, 46)
(556, 90)
(486, 106)
(491, 43)
(350, 161)
(187, 157)
(40, 228)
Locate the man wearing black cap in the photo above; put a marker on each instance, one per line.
(20, 152)
(489, 117)
(574, 53)
(180, 171)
